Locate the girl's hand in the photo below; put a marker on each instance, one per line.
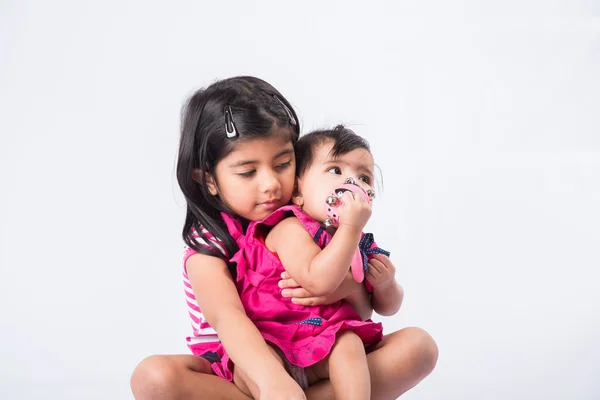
(299, 295)
(381, 272)
(282, 388)
(355, 211)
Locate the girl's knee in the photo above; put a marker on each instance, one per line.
(423, 347)
(155, 377)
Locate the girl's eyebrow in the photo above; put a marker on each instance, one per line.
(241, 163)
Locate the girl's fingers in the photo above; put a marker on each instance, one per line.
(296, 293)
(309, 301)
(288, 283)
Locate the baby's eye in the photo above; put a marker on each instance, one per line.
(365, 179)
(247, 174)
(335, 170)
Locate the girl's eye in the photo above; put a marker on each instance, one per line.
(284, 165)
(365, 179)
(247, 174)
(335, 170)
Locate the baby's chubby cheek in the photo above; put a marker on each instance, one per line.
(316, 211)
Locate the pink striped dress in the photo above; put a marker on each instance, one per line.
(204, 341)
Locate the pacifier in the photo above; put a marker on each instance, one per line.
(332, 203)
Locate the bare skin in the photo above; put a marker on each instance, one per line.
(398, 363)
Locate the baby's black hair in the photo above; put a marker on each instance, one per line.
(344, 141)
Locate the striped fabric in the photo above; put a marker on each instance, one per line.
(202, 332)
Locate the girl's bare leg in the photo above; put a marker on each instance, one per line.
(398, 363)
(174, 377)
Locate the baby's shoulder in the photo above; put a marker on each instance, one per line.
(289, 229)
(289, 223)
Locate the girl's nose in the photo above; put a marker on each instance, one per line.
(270, 183)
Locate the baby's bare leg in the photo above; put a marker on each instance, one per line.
(346, 368)
(399, 362)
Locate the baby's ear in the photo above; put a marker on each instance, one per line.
(297, 197)
(200, 176)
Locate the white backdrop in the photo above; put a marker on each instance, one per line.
(483, 116)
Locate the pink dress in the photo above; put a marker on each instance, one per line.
(305, 334)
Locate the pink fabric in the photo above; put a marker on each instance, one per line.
(222, 368)
(204, 338)
(277, 318)
(201, 330)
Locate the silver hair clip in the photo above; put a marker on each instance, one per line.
(287, 111)
(229, 124)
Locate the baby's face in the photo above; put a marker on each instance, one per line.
(327, 174)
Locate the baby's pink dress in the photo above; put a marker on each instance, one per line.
(305, 334)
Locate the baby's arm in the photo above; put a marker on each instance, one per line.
(218, 299)
(318, 271)
(387, 292)
(355, 293)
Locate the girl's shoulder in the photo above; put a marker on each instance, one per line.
(206, 240)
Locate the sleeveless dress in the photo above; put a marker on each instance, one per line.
(304, 334)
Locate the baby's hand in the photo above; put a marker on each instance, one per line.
(381, 272)
(355, 211)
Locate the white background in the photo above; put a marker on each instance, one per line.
(483, 116)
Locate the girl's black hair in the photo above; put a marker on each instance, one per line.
(344, 141)
(213, 120)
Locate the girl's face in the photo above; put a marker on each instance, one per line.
(257, 177)
(326, 173)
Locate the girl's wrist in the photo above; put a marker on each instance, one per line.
(268, 375)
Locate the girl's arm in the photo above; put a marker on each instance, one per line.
(318, 271)
(387, 292)
(220, 303)
(355, 293)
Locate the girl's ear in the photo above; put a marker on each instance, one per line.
(297, 197)
(200, 176)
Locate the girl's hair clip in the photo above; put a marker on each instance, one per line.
(287, 110)
(229, 124)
